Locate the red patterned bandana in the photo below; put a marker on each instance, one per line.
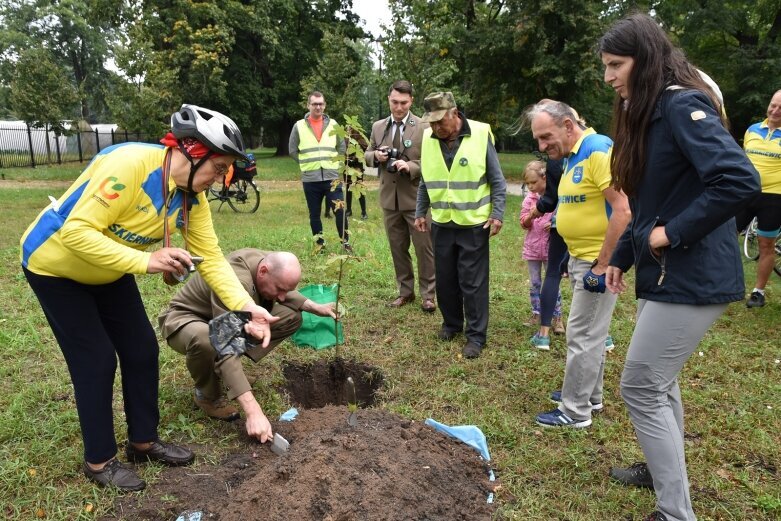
(193, 147)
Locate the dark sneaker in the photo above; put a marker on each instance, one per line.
(471, 350)
(364, 217)
(115, 474)
(656, 516)
(219, 409)
(167, 453)
(349, 213)
(756, 300)
(556, 418)
(348, 248)
(446, 334)
(636, 475)
(555, 396)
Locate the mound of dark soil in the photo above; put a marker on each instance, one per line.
(385, 468)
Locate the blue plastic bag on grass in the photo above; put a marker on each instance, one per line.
(469, 434)
(316, 331)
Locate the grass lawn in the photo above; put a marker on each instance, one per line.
(731, 386)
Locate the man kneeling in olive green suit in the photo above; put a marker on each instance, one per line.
(271, 278)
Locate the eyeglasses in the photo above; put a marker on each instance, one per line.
(220, 168)
(318, 104)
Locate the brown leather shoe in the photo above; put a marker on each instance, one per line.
(401, 301)
(219, 409)
(428, 305)
(115, 474)
(167, 453)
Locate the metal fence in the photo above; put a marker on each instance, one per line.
(25, 146)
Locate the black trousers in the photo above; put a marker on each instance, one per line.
(461, 259)
(95, 325)
(557, 258)
(315, 192)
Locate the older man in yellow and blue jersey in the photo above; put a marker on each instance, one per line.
(591, 216)
(762, 143)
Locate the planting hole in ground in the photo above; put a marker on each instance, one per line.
(315, 385)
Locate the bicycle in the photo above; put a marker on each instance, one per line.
(238, 190)
(751, 245)
(750, 241)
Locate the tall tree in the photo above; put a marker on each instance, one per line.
(343, 74)
(737, 42)
(38, 95)
(499, 55)
(78, 34)
(245, 58)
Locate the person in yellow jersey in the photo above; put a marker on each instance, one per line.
(591, 216)
(463, 185)
(80, 256)
(762, 143)
(318, 152)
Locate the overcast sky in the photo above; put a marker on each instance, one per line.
(372, 12)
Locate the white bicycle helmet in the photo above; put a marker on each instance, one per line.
(218, 132)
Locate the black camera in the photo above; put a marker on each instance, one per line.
(393, 155)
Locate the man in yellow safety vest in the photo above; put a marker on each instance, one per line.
(463, 185)
(317, 150)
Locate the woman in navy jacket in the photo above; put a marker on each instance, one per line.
(685, 178)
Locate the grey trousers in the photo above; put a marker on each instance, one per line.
(400, 228)
(665, 336)
(587, 326)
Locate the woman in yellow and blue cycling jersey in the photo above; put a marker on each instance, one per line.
(80, 256)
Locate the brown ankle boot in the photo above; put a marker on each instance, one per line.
(219, 409)
(558, 326)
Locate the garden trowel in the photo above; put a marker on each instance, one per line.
(279, 445)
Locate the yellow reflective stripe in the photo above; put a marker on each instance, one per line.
(450, 205)
(315, 159)
(316, 149)
(458, 185)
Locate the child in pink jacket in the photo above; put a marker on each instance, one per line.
(535, 244)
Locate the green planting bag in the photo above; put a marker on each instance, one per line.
(316, 331)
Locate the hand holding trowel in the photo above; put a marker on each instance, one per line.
(279, 445)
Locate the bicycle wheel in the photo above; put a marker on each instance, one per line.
(217, 192)
(777, 265)
(244, 196)
(750, 241)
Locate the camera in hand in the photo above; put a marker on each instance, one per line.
(393, 155)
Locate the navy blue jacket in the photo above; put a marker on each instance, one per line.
(696, 179)
(553, 170)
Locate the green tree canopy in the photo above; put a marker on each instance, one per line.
(78, 33)
(38, 94)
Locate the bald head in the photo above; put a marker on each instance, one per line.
(278, 273)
